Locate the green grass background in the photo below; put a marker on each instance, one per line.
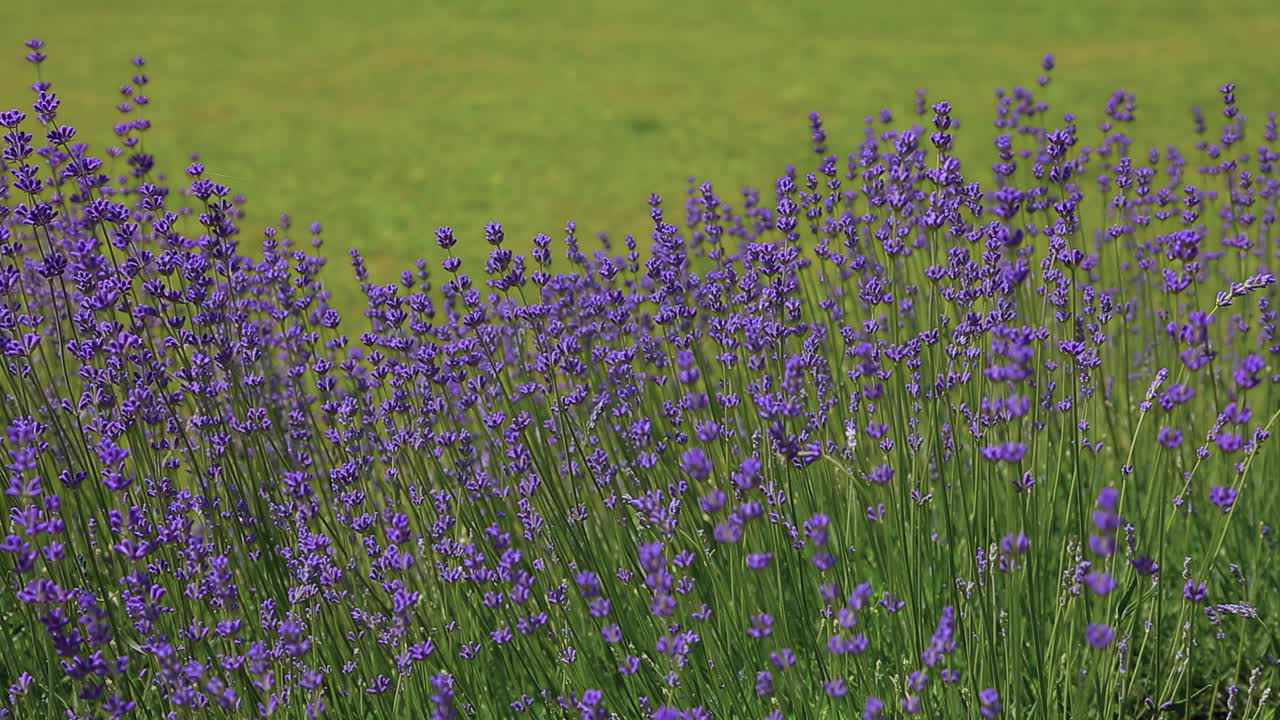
(386, 118)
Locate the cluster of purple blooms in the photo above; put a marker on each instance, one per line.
(884, 441)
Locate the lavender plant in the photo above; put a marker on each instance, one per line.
(891, 438)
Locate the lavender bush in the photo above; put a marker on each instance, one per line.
(881, 441)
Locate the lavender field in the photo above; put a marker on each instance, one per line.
(887, 435)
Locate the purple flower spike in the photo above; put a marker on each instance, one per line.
(1223, 497)
(989, 702)
(1195, 592)
(1108, 498)
(1099, 636)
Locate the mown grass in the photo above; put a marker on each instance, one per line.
(385, 119)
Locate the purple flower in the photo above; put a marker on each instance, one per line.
(783, 658)
(1009, 452)
(1145, 565)
(761, 626)
(989, 703)
(445, 238)
(1169, 437)
(764, 684)
(1108, 498)
(1194, 591)
(815, 529)
(747, 473)
(1025, 482)
(1015, 544)
(943, 641)
(1102, 545)
(652, 558)
(696, 463)
(880, 474)
(1222, 496)
(1100, 583)
(1099, 636)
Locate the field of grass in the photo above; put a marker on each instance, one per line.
(385, 119)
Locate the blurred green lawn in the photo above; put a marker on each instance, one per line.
(386, 118)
